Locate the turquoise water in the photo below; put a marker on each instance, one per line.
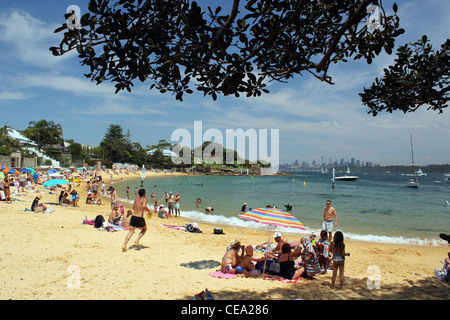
(378, 207)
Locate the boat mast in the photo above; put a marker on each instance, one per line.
(412, 159)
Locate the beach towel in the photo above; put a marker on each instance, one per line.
(203, 264)
(278, 278)
(221, 275)
(312, 266)
(182, 228)
(90, 222)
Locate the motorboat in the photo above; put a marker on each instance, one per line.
(418, 173)
(347, 177)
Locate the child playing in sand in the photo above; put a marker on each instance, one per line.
(246, 263)
(337, 248)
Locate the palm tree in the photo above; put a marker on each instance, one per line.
(44, 132)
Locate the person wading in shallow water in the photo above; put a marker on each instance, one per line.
(329, 214)
(137, 219)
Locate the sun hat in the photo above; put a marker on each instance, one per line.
(444, 236)
(235, 243)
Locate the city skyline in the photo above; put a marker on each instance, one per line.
(352, 162)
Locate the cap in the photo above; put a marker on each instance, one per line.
(276, 235)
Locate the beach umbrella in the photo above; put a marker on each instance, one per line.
(273, 217)
(11, 171)
(53, 170)
(26, 170)
(54, 182)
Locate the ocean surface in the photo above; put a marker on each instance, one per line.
(378, 207)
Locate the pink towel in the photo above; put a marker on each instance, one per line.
(182, 228)
(220, 274)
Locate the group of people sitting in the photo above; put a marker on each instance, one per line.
(68, 198)
(314, 257)
(93, 198)
(118, 217)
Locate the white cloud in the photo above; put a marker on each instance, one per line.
(14, 95)
(29, 39)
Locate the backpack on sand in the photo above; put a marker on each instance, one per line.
(99, 221)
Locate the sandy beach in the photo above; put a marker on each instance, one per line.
(45, 254)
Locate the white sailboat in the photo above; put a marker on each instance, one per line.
(414, 181)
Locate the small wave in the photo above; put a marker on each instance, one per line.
(236, 222)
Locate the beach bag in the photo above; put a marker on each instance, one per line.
(204, 295)
(260, 265)
(275, 268)
(99, 221)
(218, 231)
(442, 274)
(193, 227)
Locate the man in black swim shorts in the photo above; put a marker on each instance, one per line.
(137, 222)
(137, 219)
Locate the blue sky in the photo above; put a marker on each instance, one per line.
(314, 119)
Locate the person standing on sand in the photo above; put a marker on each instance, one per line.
(137, 219)
(329, 214)
(112, 192)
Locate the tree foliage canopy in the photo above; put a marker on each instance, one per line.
(174, 42)
(420, 76)
(177, 45)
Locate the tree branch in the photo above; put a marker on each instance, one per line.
(350, 22)
(229, 21)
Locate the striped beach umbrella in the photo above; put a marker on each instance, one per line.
(274, 217)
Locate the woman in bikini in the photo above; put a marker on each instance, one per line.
(7, 190)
